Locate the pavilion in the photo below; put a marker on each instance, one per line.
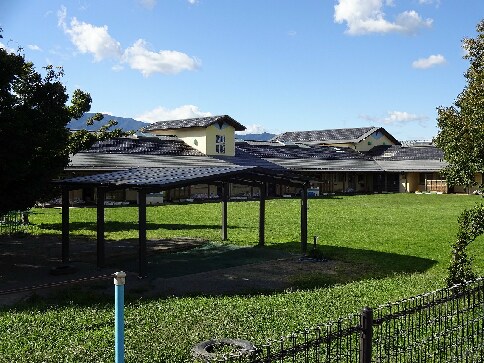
(152, 180)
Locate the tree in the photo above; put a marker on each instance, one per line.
(461, 137)
(461, 134)
(471, 226)
(34, 140)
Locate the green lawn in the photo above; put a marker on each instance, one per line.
(397, 244)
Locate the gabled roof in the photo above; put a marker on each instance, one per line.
(332, 136)
(194, 122)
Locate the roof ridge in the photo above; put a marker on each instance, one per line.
(204, 121)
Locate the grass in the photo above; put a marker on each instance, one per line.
(393, 246)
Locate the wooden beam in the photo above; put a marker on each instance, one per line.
(249, 178)
(143, 263)
(225, 198)
(100, 196)
(65, 225)
(262, 213)
(304, 219)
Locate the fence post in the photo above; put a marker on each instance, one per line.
(119, 281)
(366, 322)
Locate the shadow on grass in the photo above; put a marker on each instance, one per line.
(357, 264)
(210, 257)
(114, 226)
(345, 265)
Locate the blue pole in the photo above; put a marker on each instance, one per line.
(119, 281)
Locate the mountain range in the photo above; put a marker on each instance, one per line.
(128, 124)
(125, 123)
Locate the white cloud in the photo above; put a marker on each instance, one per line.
(179, 113)
(97, 41)
(431, 61)
(429, 2)
(117, 67)
(253, 129)
(396, 118)
(193, 2)
(89, 38)
(139, 57)
(148, 4)
(367, 16)
(34, 47)
(8, 49)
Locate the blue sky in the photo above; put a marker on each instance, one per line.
(273, 65)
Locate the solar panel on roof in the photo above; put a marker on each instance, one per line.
(146, 146)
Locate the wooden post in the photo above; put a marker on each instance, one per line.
(65, 225)
(100, 195)
(304, 219)
(225, 198)
(143, 264)
(262, 214)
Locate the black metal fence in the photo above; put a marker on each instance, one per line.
(14, 222)
(446, 325)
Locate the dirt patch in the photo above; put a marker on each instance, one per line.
(177, 267)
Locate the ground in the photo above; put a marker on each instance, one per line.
(177, 267)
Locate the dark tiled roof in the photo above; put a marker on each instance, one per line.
(341, 135)
(397, 152)
(332, 136)
(244, 158)
(193, 122)
(308, 158)
(170, 152)
(408, 165)
(267, 151)
(409, 143)
(397, 158)
(144, 145)
(175, 177)
(104, 161)
(152, 152)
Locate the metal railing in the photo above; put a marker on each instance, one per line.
(446, 325)
(14, 222)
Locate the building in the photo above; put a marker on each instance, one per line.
(213, 135)
(360, 139)
(353, 160)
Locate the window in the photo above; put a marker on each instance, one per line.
(220, 144)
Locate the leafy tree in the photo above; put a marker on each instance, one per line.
(461, 125)
(471, 226)
(461, 137)
(34, 140)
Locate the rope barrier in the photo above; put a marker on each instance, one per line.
(55, 284)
